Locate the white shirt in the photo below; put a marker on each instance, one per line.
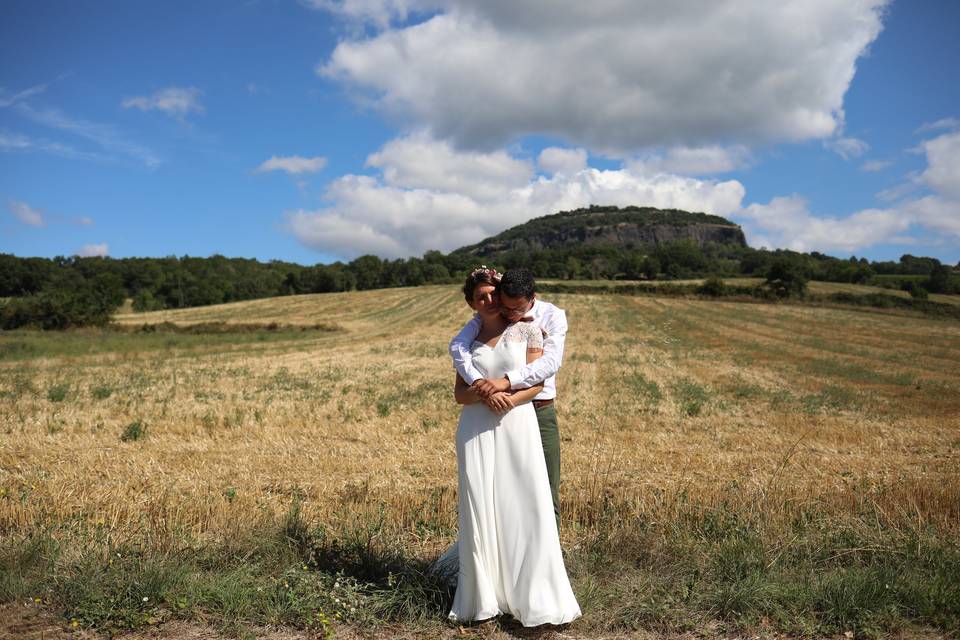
(544, 369)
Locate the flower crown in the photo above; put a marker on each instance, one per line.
(483, 270)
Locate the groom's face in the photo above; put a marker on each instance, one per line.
(512, 309)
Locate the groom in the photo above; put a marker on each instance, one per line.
(518, 301)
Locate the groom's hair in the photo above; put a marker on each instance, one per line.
(518, 283)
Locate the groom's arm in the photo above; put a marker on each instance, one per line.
(549, 363)
(460, 351)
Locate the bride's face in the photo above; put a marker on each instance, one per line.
(485, 300)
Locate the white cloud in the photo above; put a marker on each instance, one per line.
(555, 160)
(875, 165)
(379, 12)
(898, 191)
(16, 142)
(696, 161)
(93, 250)
(27, 214)
(847, 148)
(293, 165)
(942, 123)
(787, 222)
(106, 136)
(609, 75)
(84, 221)
(176, 102)
(943, 165)
(419, 162)
(7, 99)
(415, 205)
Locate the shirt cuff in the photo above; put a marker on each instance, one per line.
(514, 378)
(472, 377)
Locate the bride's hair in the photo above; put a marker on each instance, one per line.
(480, 275)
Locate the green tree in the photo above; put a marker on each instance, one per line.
(785, 279)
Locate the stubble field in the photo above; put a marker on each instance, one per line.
(746, 466)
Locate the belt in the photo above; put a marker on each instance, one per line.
(539, 404)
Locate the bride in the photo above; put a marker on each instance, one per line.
(509, 549)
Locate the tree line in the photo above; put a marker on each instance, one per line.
(64, 292)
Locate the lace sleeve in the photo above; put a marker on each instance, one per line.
(529, 332)
(534, 336)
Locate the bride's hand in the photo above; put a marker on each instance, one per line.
(499, 402)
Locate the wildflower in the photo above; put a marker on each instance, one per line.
(146, 599)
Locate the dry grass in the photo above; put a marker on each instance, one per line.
(662, 401)
(655, 395)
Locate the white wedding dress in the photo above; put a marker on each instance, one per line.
(509, 549)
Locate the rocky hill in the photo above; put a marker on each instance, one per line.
(628, 227)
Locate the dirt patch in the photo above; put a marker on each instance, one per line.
(28, 621)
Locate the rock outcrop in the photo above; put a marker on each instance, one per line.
(631, 227)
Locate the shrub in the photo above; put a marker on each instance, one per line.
(786, 280)
(713, 286)
(133, 431)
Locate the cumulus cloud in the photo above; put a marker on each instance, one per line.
(555, 160)
(419, 162)
(608, 75)
(293, 165)
(430, 196)
(943, 165)
(176, 102)
(847, 148)
(27, 214)
(93, 250)
(787, 221)
(698, 161)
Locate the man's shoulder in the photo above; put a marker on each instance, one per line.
(548, 308)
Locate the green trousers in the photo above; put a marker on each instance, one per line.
(550, 438)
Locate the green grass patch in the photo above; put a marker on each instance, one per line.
(133, 432)
(58, 392)
(691, 397)
(831, 398)
(856, 372)
(704, 566)
(645, 391)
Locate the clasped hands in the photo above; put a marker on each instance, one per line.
(495, 393)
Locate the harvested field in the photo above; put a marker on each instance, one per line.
(828, 438)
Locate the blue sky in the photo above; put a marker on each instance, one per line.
(319, 130)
